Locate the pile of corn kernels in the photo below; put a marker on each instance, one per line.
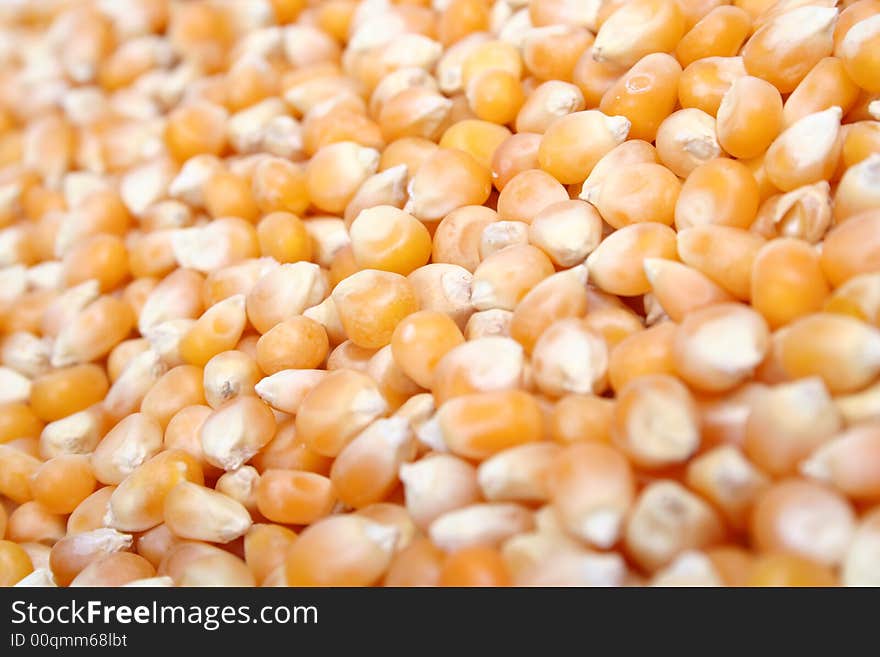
(439, 292)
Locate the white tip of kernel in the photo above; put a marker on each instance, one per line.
(204, 249)
(75, 299)
(431, 436)
(368, 158)
(407, 474)
(414, 49)
(817, 466)
(14, 386)
(269, 388)
(663, 432)
(41, 577)
(384, 536)
(449, 79)
(79, 433)
(79, 185)
(871, 354)
(132, 454)
(562, 100)
(580, 274)
(730, 344)
(81, 72)
(107, 539)
(145, 184)
(799, 24)
(653, 267)
(152, 582)
(283, 137)
(195, 172)
(515, 28)
(375, 31)
(811, 138)
(702, 147)
(860, 566)
(368, 402)
(483, 295)
(492, 476)
(389, 185)
(499, 15)
(618, 126)
(867, 172)
(47, 275)
(396, 429)
(26, 353)
(602, 527)
(431, 111)
(165, 337)
(689, 569)
(13, 283)
(497, 362)
(63, 352)
(264, 42)
(479, 524)
(246, 129)
(84, 105)
(835, 112)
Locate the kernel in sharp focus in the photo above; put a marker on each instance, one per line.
(452, 293)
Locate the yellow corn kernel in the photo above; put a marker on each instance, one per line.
(826, 85)
(313, 560)
(785, 48)
(570, 357)
(703, 83)
(365, 471)
(840, 349)
(549, 101)
(446, 180)
(849, 249)
(858, 49)
(198, 513)
(805, 153)
(295, 343)
(702, 363)
(528, 193)
(616, 266)
(686, 139)
(829, 512)
(495, 95)
(787, 423)
(218, 329)
(646, 94)
(479, 425)
(857, 189)
(504, 278)
(787, 281)
(371, 303)
(637, 29)
(723, 253)
(65, 391)
(336, 409)
(573, 144)
(719, 33)
(749, 117)
(136, 504)
(389, 239)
